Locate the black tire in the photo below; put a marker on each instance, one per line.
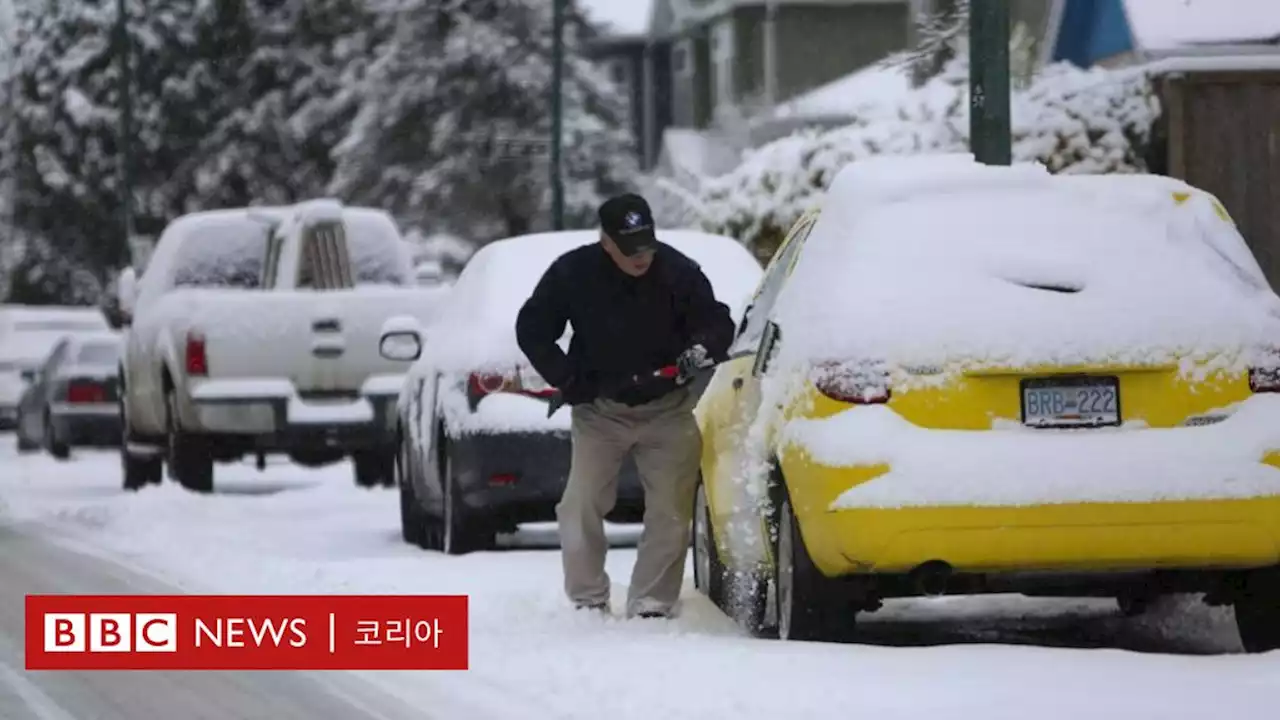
(374, 468)
(1135, 603)
(140, 470)
(808, 604)
(464, 530)
(55, 445)
(1258, 611)
(25, 444)
(189, 460)
(416, 526)
(708, 572)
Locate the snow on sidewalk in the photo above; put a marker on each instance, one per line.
(290, 530)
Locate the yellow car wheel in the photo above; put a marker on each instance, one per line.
(809, 605)
(708, 572)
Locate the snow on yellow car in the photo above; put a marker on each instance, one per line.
(962, 379)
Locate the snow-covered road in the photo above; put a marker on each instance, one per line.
(293, 530)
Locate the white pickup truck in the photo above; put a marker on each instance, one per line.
(255, 331)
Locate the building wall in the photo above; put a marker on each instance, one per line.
(820, 43)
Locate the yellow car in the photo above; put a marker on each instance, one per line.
(965, 379)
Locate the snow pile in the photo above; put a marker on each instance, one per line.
(941, 262)
(1009, 468)
(1071, 120)
(476, 331)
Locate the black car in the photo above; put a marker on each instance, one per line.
(73, 400)
(478, 454)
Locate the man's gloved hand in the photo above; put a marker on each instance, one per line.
(691, 361)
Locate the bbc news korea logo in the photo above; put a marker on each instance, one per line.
(259, 632)
(110, 632)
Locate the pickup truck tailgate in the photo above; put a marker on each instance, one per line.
(322, 342)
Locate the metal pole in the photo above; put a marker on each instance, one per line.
(126, 123)
(989, 110)
(771, 53)
(557, 114)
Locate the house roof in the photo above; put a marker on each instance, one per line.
(621, 17)
(1170, 24)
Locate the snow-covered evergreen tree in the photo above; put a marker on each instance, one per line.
(455, 79)
(275, 97)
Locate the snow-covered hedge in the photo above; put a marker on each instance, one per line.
(1071, 120)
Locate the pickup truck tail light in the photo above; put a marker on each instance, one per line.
(82, 392)
(856, 382)
(197, 362)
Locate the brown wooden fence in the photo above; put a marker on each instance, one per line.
(1222, 130)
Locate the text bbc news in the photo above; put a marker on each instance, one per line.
(246, 632)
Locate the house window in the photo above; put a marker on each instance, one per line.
(680, 60)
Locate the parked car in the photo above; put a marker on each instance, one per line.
(255, 331)
(961, 379)
(27, 335)
(478, 454)
(74, 398)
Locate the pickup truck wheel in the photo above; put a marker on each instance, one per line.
(55, 445)
(1258, 612)
(374, 467)
(189, 459)
(464, 530)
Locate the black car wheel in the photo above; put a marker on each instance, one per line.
(464, 530)
(189, 459)
(1258, 611)
(375, 467)
(55, 445)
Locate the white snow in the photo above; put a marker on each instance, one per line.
(862, 91)
(377, 250)
(928, 262)
(622, 17)
(289, 530)
(241, 388)
(1073, 121)
(1020, 467)
(1246, 62)
(501, 413)
(315, 412)
(1162, 24)
(383, 384)
(476, 329)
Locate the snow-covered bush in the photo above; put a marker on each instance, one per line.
(1071, 120)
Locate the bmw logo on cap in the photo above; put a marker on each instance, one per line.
(633, 219)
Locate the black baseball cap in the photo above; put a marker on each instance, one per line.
(628, 221)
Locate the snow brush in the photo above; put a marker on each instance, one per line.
(669, 372)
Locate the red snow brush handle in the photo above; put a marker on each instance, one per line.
(669, 371)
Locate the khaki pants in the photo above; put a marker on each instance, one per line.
(668, 447)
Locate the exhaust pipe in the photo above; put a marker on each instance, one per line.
(932, 578)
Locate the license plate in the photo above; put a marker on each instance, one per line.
(1071, 402)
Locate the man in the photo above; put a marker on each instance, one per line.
(636, 305)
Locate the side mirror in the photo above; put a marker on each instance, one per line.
(401, 339)
(29, 376)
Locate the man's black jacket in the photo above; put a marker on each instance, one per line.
(623, 326)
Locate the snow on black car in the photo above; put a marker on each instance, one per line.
(478, 453)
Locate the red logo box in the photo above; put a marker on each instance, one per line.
(246, 632)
